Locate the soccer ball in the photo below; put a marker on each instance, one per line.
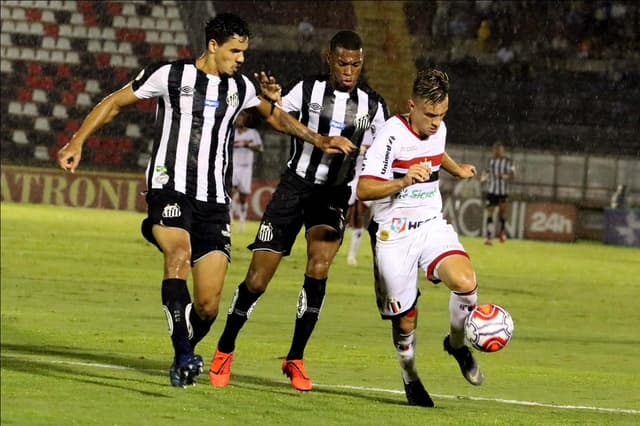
(488, 327)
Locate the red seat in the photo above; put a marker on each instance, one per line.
(121, 74)
(63, 71)
(78, 85)
(33, 15)
(69, 98)
(103, 59)
(24, 94)
(51, 29)
(34, 69)
(90, 19)
(85, 6)
(184, 52)
(156, 51)
(114, 8)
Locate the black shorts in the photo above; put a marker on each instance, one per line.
(494, 200)
(297, 202)
(207, 223)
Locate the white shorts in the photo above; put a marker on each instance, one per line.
(242, 178)
(402, 249)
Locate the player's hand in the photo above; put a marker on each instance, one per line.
(336, 145)
(467, 171)
(269, 87)
(69, 157)
(419, 172)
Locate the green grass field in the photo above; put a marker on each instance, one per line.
(84, 337)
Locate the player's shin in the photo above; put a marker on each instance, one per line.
(405, 344)
(460, 304)
(241, 307)
(175, 299)
(200, 327)
(310, 303)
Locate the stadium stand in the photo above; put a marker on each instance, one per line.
(60, 57)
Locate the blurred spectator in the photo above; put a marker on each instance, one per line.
(440, 22)
(505, 53)
(619, 197)
(306, 36)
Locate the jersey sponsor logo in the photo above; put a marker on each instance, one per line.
(161, 175)
(186, 91)
(415, 194)
(315, 108)
(265, 232)
(387, 154)
(213, 103)
(337, 124)
(362, 122)
(233, 99)
(171, 210)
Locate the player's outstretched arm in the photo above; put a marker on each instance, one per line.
(283, 122)
(70, 154)
(461, 170)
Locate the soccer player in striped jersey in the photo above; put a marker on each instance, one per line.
(189, 174)
(313, 192)
(401, 173)
(499, 173)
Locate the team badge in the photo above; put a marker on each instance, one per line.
(384, 235)
(265, 232)
(399, 224)
(233, 99)
(171, 210)
(362, 122)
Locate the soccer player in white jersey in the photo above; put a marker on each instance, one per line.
(401, 171)
(246, 143)
(313, 192)
(188, 176)
(500, 171)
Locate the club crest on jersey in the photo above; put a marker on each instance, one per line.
(265, 232)
(362, 122)
(399, 224)
(171, 210)
(233, 99)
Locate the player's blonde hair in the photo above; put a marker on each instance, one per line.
(431, 85)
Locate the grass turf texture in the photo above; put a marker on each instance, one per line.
(84, 337)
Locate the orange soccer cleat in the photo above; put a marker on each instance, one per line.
(294, 369)
(220, 369)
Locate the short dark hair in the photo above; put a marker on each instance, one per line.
(347, 40)
(224, 26)
(431, 85)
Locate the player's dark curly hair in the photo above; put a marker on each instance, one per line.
(224, 26)
(347, 40)
(431, 85)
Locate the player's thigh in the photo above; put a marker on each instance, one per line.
(457, 273)
(397, 278)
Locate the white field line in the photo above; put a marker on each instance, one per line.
(363, 388)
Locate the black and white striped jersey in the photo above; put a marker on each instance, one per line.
(496, 170)
(194, 127)
(356, 116)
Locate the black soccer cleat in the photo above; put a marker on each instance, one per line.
(417, 394)
(185, 369)
(468, 365)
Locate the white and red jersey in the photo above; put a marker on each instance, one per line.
(395, 148)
